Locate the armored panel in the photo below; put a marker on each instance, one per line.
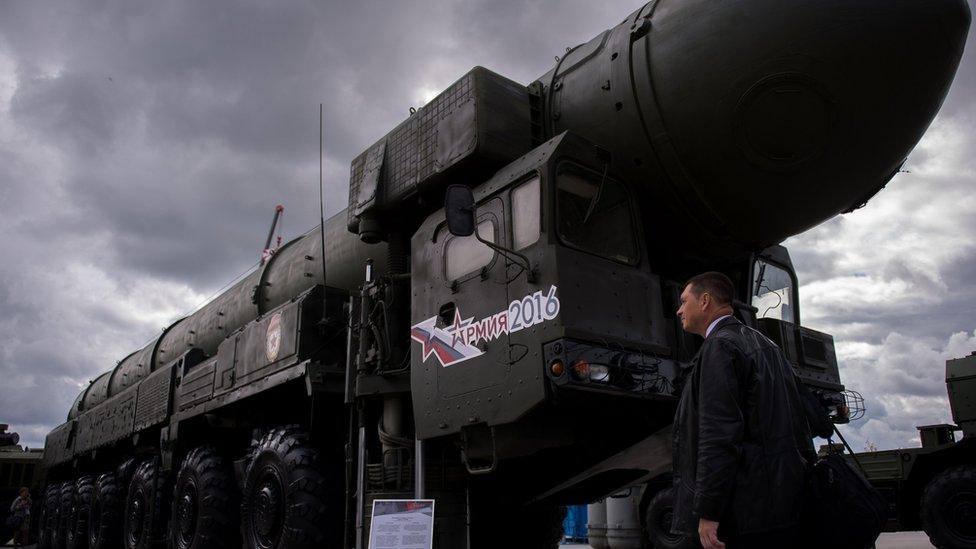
(58, 444)
(135, 367)
(153, 401)
(197, 386)
(115, 418)
(961, 385)
(818, 359)
(481, 120)
(811, 352)
(268, 343)
(85, 432)
(883, 466)
(109, 421)
(226, 360)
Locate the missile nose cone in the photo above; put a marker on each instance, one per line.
(956, 17)
(747, 122)
(864, 66)
(916, 37)
(787, 112)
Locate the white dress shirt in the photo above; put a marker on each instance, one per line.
(714, 322)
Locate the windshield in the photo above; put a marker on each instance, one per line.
(594, 214)
(772, 293)
(526, 212)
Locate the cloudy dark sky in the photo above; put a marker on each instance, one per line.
(143, 146)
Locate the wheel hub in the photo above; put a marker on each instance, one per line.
(95, 521)
(665, 524)
(72, 521)
(187, 514)
(136, 513)
(962, 514)
(268, 510)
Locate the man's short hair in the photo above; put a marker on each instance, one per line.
(717, 285)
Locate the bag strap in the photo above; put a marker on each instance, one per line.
(849, 449)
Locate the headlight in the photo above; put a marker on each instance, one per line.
(599, 373)
(581, 369)
(584, 371)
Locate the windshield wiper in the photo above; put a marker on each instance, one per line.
(596, 197)
(759, 277)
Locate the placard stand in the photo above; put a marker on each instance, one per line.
(402, 524)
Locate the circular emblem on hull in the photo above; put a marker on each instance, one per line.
(273, 341)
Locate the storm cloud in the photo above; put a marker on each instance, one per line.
(143, 146)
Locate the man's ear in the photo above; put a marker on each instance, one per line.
(705, 300)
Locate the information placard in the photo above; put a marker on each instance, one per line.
(402, 524)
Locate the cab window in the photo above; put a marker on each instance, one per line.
(526, 210)
(594, 214)
(465, 254)
(772, 293)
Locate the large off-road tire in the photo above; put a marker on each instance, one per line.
(76, 535)
(105, 515)
(142, 523)
(124, 472)
(205, 503)
(66, 495)
(36, 520)
(496, 521)
(949, 508)
(657, 524)
(49, 519)
(289, 499)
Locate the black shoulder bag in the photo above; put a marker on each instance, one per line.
(841, 508)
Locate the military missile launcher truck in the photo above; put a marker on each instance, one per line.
(533, 363)
(934, 487)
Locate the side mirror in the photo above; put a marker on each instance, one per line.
(459, 209)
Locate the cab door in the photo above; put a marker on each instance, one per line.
(459, 316)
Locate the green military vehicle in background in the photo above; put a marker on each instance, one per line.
(933, 488)
(19, 467)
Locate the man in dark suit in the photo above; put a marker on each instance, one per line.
(740, 436)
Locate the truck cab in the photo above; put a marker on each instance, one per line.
(553, 306)
(563, 315)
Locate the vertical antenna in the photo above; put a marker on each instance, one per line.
(325, 318)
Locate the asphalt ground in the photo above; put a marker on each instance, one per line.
(893, 540)
(896, 540)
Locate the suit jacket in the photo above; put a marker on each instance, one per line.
(740, 437)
